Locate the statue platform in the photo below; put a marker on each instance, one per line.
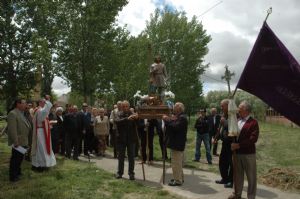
(152, 108)
(153, 111)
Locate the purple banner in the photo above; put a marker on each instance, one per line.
(273, 74)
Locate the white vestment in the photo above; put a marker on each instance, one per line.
(41, 157)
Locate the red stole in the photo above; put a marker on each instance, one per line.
(47, 132)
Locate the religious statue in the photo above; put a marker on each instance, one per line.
(158, 75)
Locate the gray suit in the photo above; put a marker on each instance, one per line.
(18, 129)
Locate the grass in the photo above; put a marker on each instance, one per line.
(278, 146)
(69, 180)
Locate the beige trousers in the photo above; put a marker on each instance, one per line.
(246, 163)
(176, 163)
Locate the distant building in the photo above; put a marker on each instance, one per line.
(273, 116)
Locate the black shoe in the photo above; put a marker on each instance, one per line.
(174, 183)
(118, 176)
(228, 185)
(220, 181)
(16, 179)
(210, 163)
(131, 177)
(75, 158)
(195, 160)
(37, 169)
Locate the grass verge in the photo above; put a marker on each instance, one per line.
(69, 180)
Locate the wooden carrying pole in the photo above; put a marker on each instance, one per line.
(140, 146)
(164, 154)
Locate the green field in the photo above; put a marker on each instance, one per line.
(69, 180)
(277, 147)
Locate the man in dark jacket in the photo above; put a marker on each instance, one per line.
(176, 127)
(213, 123)
(126, 138)
(225, 161)
(73, 124)
(201, 125)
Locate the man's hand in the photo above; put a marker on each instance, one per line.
(214, 141)
(222, 120)
(133, 116)
(235, 146)
(165, 117)
(16, 144)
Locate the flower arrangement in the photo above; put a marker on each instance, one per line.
(169, 95)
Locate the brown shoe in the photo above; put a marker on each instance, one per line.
(233, 196)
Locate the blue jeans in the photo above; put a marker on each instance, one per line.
(205, 139)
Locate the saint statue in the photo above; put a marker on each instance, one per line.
(158, 76)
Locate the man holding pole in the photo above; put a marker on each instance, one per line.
(225, 161)
(245, 149)
(176, 128)
(126, 138)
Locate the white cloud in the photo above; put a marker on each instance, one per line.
(233, 25)
(59, 86)
(135, 14)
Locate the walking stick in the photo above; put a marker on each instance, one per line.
(147, 144)
(164, 155)
(140, 146)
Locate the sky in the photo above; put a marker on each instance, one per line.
(232, 24)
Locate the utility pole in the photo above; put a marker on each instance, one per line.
(227, 76)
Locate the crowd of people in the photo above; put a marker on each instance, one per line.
(49, 130)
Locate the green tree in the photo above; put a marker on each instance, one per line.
(45, 26)
(259, 108)
(182, 45)
(16, 64)
(85, 45)
(132, 72)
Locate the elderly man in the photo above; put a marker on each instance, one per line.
(213, 123)
(18, 129)
(225, 161)
(176, 127)
(245, 149)
(126, 138)
(113, 117)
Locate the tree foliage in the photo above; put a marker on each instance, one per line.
(86, 43)
(16, 62)
(214, 98)
(80, 41)
(182, 45)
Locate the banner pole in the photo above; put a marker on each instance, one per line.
(269, 11)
